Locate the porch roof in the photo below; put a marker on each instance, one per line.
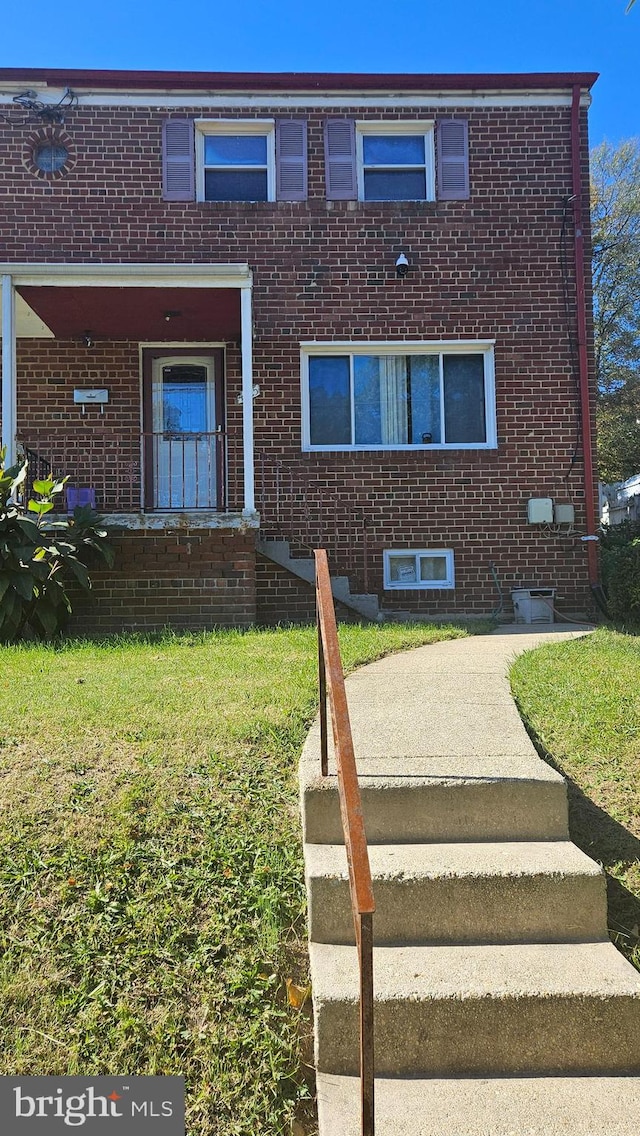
(129, 301)
(147, 314)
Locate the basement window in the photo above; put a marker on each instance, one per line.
(418, 568)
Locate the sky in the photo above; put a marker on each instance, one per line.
(428, 36)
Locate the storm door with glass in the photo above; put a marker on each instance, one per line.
(186, 440)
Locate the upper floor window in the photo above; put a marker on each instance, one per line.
(235, 161)
(395, 161)
(398, 396)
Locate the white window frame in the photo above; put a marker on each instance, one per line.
(425, 127)
(259, 126)
(419, 585)
(484, 347)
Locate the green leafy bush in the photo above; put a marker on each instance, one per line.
(40, 555)
(621, 572)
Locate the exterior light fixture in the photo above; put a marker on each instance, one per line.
(402, 266)
(88, 338)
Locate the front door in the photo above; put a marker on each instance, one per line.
(187, 436)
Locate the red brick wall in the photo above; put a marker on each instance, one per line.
(490, 267)
(190, 579)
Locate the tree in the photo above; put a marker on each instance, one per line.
(615, 218)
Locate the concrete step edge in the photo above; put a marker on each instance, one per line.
(536, 891)
(475, 1106)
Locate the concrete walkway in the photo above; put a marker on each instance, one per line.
(502, 1009)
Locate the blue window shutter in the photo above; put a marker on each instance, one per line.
(291, 159)
(178, 160)
(340, 159)
(453, 159)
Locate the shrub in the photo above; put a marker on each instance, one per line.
(40, 555)
(621, 572)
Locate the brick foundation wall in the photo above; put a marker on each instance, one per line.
(492, 267)
(193, 579)
(282, 597)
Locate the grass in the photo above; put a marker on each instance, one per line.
(581, 701)
(151, 885)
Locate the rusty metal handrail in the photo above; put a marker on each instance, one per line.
(332, 691)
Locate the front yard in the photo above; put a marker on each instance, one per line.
(151, 886)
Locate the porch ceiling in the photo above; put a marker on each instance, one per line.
(197, 314)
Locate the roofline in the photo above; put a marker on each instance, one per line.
(247, 81)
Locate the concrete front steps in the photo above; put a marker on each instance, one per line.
(477, 1106)
(481, 1009)
(304, 568)
(501, 1007)
(524, 891)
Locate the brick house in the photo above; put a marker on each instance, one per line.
(253, 314)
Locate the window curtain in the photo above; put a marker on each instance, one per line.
(393, 400)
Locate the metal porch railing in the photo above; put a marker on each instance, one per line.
(129, 471)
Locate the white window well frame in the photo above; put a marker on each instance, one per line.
(265, 127)
(484, 347)
(419, 585)
(425, 127)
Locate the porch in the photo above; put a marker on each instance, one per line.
(135, 382)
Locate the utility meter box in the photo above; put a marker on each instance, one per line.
(564, 514)
(540, 511)
(533, 605)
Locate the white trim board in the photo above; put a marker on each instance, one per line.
(123, 275)
(396, 347)
(355, 99)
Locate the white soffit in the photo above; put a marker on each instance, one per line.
(28, 324)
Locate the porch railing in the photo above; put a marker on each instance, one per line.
(333, 698)
(129, 470)
(38, 469)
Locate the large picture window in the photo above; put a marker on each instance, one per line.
(398, 397)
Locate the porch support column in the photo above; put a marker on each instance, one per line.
(247, 399)
(9, 369)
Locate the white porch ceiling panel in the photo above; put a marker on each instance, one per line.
(28, 324)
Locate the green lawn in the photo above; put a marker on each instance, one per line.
(581, 701)
(151, 886)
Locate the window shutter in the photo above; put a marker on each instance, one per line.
(178, 160)
(291, 159)
(453, 159)
(340, 159)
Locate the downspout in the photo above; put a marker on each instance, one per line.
(583, 357)
(8, 399)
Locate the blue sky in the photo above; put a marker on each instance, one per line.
(343, 35)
